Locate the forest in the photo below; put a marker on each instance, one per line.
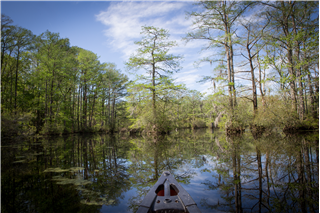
(50, 87)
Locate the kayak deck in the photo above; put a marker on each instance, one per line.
(168, 196)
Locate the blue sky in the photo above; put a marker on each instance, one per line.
(109, 29)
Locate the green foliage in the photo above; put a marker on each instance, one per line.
(19, 124)
(56, 88)
(150, 97)
(64, 89)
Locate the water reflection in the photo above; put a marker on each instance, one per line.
(261, 174)
(102, 173)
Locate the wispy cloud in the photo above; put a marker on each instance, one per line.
(123, 23)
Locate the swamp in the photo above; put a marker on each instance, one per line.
(104, 173)
(98, 98)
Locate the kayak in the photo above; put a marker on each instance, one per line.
(168, 196)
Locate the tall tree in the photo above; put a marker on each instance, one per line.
(7, 38)
(152, 56)
(53, 74)
(23, 39)
(293, 25)
(215, 23)
(118, 86)
(89, 67)
(253, 45)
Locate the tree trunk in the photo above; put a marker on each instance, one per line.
(79, 107)
(84, 113)
(1, 62)
(230, 90)
(253, 80)
(46, 103)
(113, 122)
(73, 109)
(262, 92)
(311, 96)
(153, 86)
(299, 76)
(234, 101)
(102, 111)
(16, 82)
(109, 110)
(51, 94)
(292, 74)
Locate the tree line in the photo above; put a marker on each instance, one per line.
(264, 54)
(264, 62)
(277, 46)
(51, 87)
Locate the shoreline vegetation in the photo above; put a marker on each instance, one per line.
(52, 88)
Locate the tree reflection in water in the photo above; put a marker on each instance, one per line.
(102, 173)
(152, 156)
(78, 173)
(273, 173)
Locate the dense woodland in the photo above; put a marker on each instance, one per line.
(266, 75)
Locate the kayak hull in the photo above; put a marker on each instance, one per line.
(168, 196)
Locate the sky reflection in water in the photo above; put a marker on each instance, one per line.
(100, 173)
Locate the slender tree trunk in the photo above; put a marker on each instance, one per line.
(51, 94)
(292, 84)
(228, 55)
(109, 106)
(102, 111)
(230, 90)
(113, 122)
(84, 115)
(234, 101)
(2, 56)
(260, 82)
(311, 96)
(79, 107)
(154, 87)
(305, 97)
(299, 76)
(73, 110)
(91, 114)
(46, 103)
(38, 120)
(292, 74)
(11, 90)
(1, 62)
(253, 80)
(16, 82)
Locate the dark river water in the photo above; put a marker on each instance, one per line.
(102, 173)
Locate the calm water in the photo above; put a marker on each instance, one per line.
(100, 173)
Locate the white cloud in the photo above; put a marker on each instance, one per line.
(123, 23)
(188, 79)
